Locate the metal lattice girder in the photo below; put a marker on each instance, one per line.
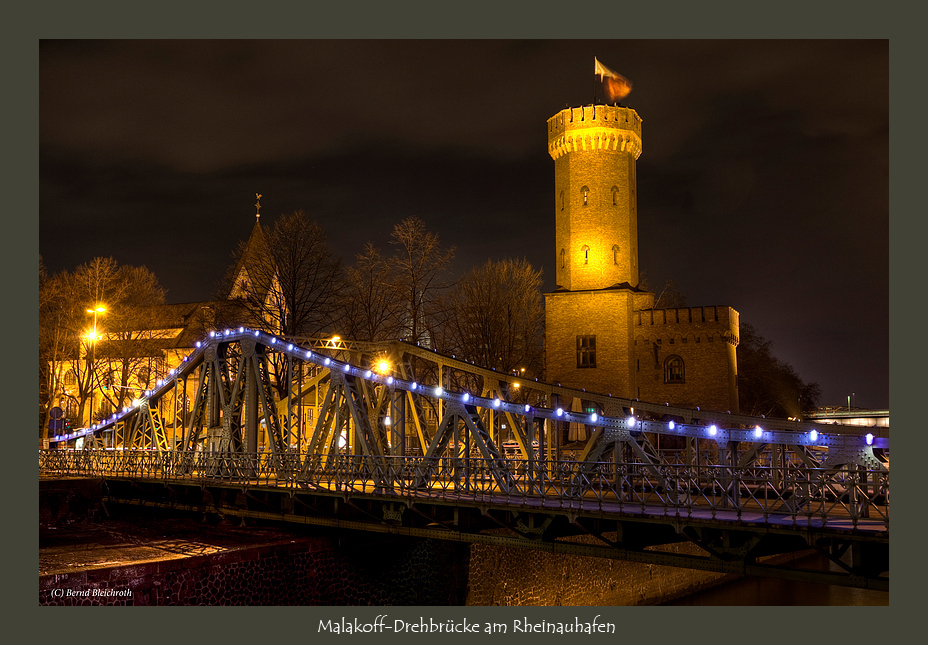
(524, 442)
(198, 410)
(367, 440)
(327, 428)
(298, 390)
(344, 411)
(455, 415)
(852, 454)
(235, 390)
(256, 367)
(231, 402)
(148, 430)
(413, 409)
(374, 398)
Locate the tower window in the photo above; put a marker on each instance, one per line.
(563, 258)
(615, 195)
(586, 195)
(562, 200)
(586, 254)
(615, 253)
(673, 370)
(586, 351)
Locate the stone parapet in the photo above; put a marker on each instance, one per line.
(594, 127)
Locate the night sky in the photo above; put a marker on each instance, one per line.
(763, 182)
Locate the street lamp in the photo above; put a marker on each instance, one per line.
(99, 309)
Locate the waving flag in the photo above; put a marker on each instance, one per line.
(616, 86)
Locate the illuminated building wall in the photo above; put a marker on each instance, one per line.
(602, 332)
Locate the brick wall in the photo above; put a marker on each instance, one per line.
(705, 338)
(605, 314)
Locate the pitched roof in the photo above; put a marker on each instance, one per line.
(250, 264)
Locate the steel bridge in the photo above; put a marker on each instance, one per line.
(396, 438)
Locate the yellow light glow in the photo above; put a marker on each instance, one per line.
(515, 385)
(383, 366)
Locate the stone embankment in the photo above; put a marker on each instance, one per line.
(92, 555)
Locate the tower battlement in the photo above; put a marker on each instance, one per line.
(688, 322)
(687, 315)
(594, 127)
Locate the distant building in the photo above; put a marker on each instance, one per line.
(131, 360)
(602, 331)
(851, 417)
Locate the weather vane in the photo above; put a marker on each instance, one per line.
(258, 205)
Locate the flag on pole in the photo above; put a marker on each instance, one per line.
(616, 86)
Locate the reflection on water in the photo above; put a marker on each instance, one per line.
(771, 591)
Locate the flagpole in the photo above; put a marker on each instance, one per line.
(594, 80)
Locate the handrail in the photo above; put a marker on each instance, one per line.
(796, 493)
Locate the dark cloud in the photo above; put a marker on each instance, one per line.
(763, 183)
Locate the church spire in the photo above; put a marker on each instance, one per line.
(258, 207)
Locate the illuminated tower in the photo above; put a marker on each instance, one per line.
(602, 332)
(595, 150)
(588, 317)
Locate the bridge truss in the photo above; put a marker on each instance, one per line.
(397, 427)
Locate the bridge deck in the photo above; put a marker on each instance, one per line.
(750, 514)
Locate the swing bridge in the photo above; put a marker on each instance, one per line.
(396, 438)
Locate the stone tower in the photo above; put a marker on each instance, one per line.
(602, 332)
(595, 150)
(588, 317)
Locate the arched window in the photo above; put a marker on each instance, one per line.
(586, 254)
(673, 370)
(615, 195)
(585, 192)
(562, 200)
(615, 253)
(563, 258)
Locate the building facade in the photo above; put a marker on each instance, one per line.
(602, 330)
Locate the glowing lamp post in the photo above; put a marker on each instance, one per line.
(99, 309)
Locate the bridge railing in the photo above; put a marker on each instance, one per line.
(801, 493)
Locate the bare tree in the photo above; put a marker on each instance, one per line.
(375, 312)
(77, 363)
(496, 316)
(289, 283)
(293, 284)
(670, 296)
(420, 267)
(57, 337)
(132, 345)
